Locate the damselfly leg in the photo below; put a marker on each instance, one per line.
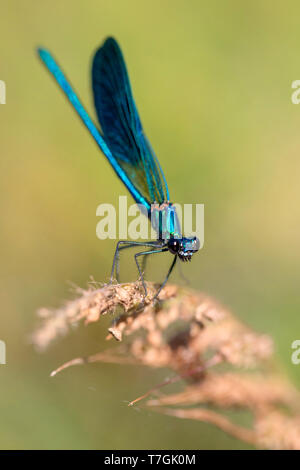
(157, 247)
(124, 244)
(146, 253)
(166, 278)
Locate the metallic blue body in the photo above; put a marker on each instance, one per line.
(128, 150)
(123, 141)
(165, 221)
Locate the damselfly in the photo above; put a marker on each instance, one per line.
(126, 147)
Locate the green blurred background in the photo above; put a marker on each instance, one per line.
(212, 81)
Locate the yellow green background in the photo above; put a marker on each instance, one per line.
(212, 81)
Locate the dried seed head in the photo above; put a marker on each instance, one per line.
(191, 334)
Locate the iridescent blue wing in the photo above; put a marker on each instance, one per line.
(121, 125)
(66, 87)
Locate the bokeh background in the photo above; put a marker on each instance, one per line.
(212, 81)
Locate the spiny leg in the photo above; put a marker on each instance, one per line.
(126, 244)
(155, 244)
(144, 263)
(117, 264)
(166, 278)
(146, 253)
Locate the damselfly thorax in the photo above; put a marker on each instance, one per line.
(164, 220)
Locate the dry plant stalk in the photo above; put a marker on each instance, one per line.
(223, 364)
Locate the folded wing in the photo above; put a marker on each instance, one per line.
(121, 125)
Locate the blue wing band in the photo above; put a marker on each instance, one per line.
(121, 125)
(62, 81)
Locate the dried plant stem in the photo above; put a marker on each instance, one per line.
(181, 333)
(99, 357)
(208, 416)
(217, 359)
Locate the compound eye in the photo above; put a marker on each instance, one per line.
(173, 246)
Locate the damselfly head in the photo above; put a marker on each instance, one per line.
(184, 247)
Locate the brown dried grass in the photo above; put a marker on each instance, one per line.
(222, 363)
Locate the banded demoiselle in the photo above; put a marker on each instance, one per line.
(127, 149)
